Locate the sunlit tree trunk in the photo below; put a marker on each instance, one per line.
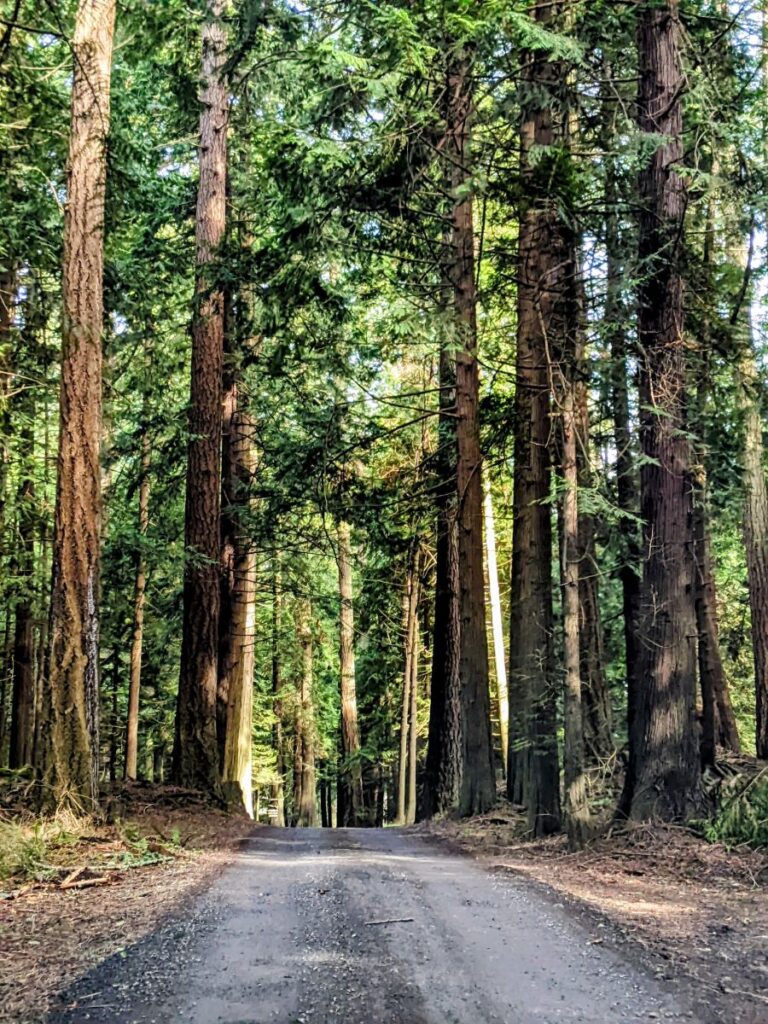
(67, 755)
(413, 691)
(196, 757)
(575, 807)
(665, 767)
(305, 806)
(237, 765)
(139, 595)
(410, 599)
(351, 778)
(497, 622)
(7, 311)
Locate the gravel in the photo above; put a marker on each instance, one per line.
(343, 926)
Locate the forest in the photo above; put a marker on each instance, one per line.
(383, 393)
(382, 407)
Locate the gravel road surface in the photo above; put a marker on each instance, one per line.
(353, 926)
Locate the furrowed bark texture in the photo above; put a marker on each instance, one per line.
(196, 756)
(67, 759)
(665, 769)
(533, 776)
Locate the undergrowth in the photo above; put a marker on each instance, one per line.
(741, 818)
(27, 848)
(37, 850)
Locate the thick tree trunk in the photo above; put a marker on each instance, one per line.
(478, 785)
(278, 787)
(351, 778)
(665, 768)
(533, 776)
(196, 760)
(305, 804)
(67, 757)
(497, 622)
(237, 765)
(137, 637)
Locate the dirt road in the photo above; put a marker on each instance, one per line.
(368, 927)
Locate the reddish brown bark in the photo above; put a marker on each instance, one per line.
(664, 756)
(196, 757)
(68, 750)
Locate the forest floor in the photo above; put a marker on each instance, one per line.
(690, 909)
(75, 893)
